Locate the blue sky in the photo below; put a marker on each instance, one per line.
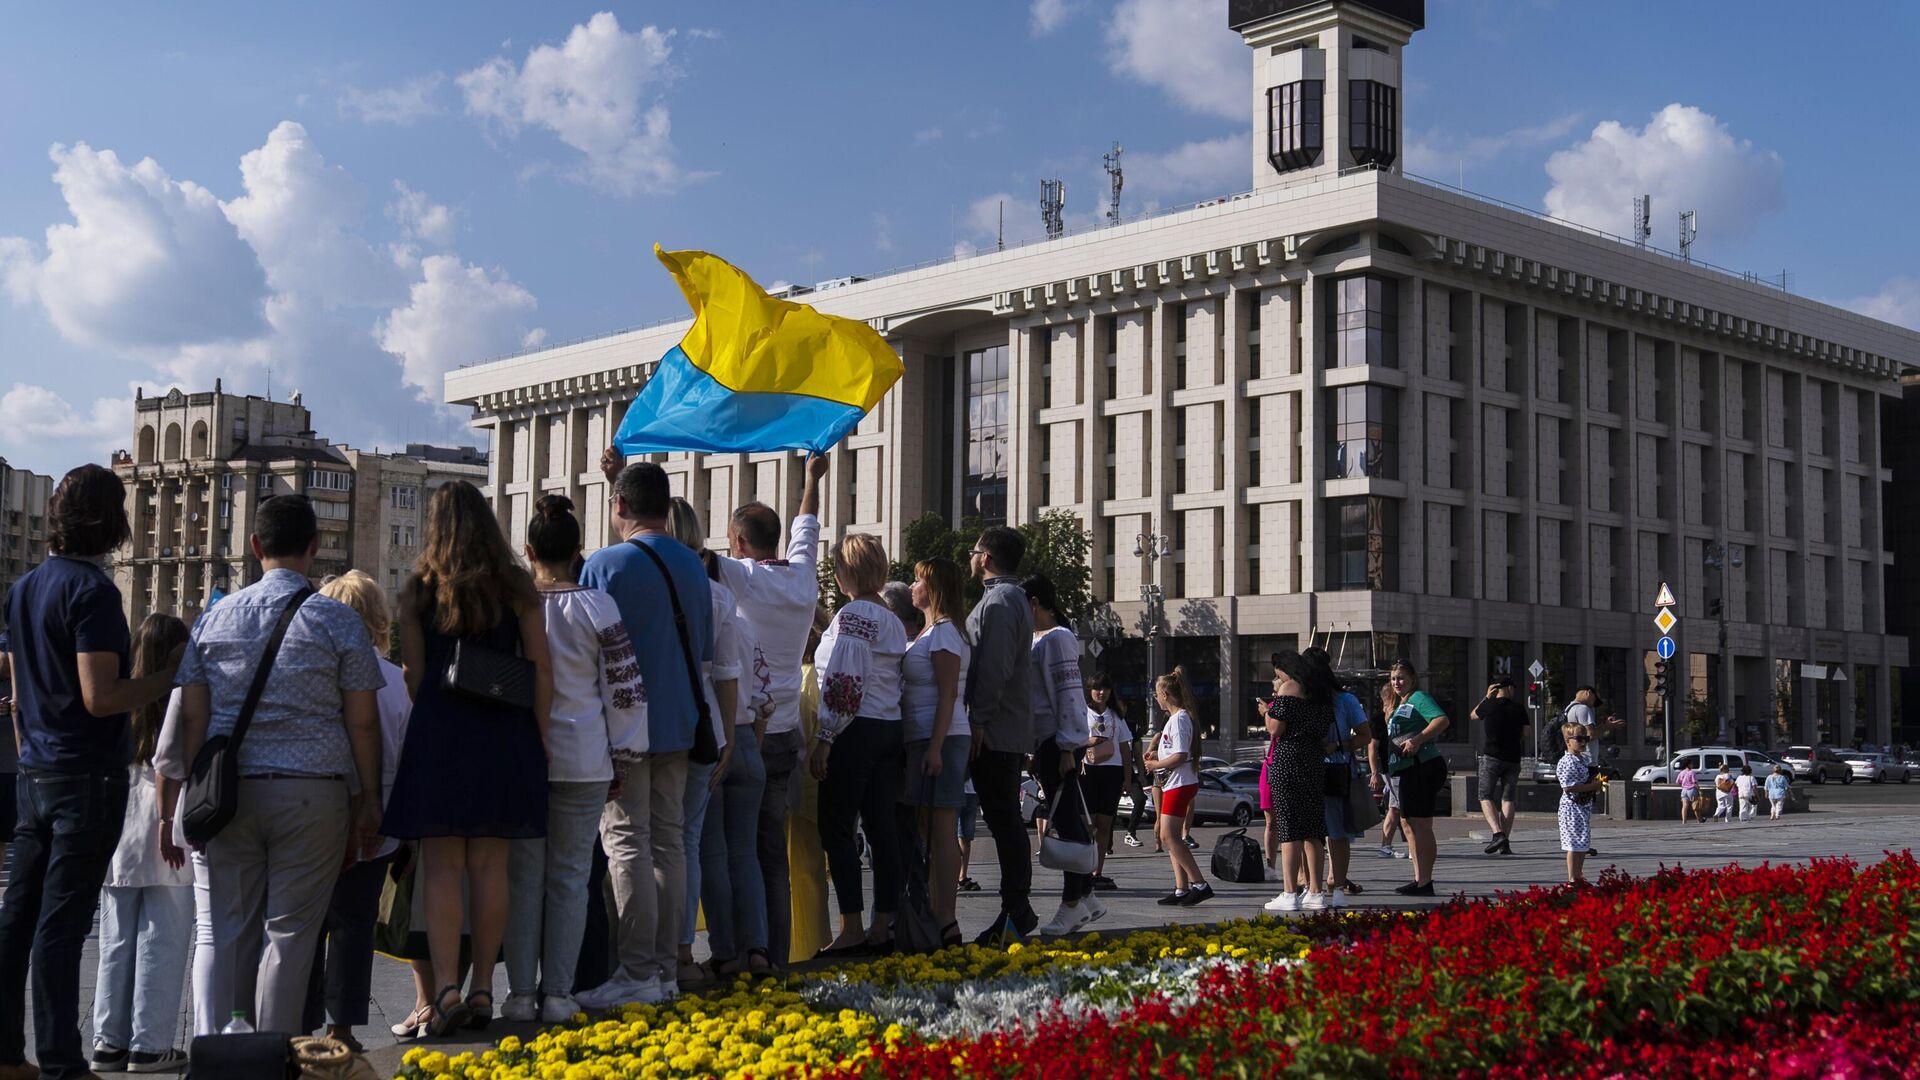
(360, 196)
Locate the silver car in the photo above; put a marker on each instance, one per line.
(1817, 764)
(1877, 768)
(1217, 800)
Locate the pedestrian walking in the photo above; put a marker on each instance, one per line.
(1298, 722)
(1747, 787)
(998, 694)
(309, 762)
(146, 908)
(1350, 735)
(473, 771)
(1777, 782)
(1723, 794)
(1503, 731)
(857, 755)
(1578, 781)
(1414, 721)
(1138, 779)
(70, 662)
(1689, 782)
(1060, 743)
(1178, 778)
(597, 731)
(939, 739)
(1107, 759)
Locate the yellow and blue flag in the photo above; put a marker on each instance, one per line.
(755, 373)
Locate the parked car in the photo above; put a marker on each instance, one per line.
(1217, 800)
(1817, 763)
(1706, 761)
(1242, 778)
(1877, 768)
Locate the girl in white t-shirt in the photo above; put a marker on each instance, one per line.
(1172, 756)
(1107, 758)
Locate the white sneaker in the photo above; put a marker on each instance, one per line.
(1385, 851)
(1094, 908)
(1314, 902)
(620, 990)
(1285, 903)
(557, 1009)
(1401, 853)
(1333, 900)
(1272, 873)
(520, 1008)
(1069, 918)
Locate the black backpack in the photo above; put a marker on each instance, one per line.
(1237, 857)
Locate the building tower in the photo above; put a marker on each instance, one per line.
(1326, 83)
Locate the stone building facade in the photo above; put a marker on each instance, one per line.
(23, 522)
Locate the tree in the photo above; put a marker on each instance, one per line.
(830, 594)
(1060, 549)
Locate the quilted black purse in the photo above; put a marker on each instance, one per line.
(489, 676)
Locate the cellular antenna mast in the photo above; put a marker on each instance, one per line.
(1642, 219)
(1114, 182)
(1053, 198)
(1688, 230)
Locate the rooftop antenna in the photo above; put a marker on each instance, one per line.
(1114, 181)
(1688, 230)
(1642, 219)
(1053, 197)
(1000, 235)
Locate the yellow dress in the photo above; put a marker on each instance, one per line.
(807, 860)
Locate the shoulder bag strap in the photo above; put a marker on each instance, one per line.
(680, 628)
(265, 669)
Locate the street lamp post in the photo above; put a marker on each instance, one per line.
(1720, 557)
(1152, 547)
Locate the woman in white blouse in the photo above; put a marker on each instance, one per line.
(598, 727)
(938, 739)
(857, 754)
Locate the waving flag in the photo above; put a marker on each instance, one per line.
(755, 373)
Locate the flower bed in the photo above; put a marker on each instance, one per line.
(1774, 971)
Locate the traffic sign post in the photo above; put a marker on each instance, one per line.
(1664, 620)
(1665, 648)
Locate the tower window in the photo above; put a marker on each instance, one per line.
(1373, 122)
(1294, 112)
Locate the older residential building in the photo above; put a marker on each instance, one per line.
(202, 465)
(1362, 409)
(23, 522)
(390, 503)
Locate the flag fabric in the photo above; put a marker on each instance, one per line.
(755, 373)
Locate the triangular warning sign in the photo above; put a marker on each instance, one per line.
(1665, 599)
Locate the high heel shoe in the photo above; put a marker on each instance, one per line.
(415, 1024)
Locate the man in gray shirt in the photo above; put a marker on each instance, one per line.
(1000, 710)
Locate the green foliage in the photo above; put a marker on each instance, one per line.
(830, 593)
(1057, 546)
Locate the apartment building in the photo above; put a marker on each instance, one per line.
(23, 522)
(390, 504)
(1358, 408)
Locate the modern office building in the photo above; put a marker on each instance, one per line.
(1361, 409)
(23, 522)
(390, 504)
(1900, 428)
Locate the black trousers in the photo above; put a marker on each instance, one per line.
(1066, 805)
(69, 824)
(861, 788)
(342, 980)
(996, 779)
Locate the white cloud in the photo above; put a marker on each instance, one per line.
(1442, 155)
(411, 101)
(702, 33)
(589, 93)
(35, 412)
(302, 218)
(1897, 302)
(1048, 15)
(882, 231)
(982, 219)
(1683, 157)
(1184, 48)
(1219, 166)
(927, 135)
(456, 314)
(148, 262)
(420, 218)
(964, 250)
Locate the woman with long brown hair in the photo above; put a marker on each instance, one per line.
(473, 771)
(938, 738)
(1172, 760)
(146, 907)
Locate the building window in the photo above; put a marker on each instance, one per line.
(1365, 433)
(1046, 370)
(1294, 111)
(1113, 464)
(1253, 337)
(1363, 543)
(1253, 443)
(1366, 322)
(1180, 346)
(402, 498)
(985, 494)
(393, 535)
(1253, 568)
(1447, 681)
(1179, 451)
(1108, 331)
(1373, 122)
(328, 480)
(266, 481)
(1046, 470)
(1179, 555)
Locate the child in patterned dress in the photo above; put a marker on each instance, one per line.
(1577, 785)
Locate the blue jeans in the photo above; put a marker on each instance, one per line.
(547, 890)
(69, 824)
(694, 805)
(731, 885)
(144, 933)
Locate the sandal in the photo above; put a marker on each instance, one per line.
(414, 1026)
(479, 1016)
(1351, 888)
(764, 966)
(446, 1021)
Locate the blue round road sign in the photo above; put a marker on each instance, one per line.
(1665, 648)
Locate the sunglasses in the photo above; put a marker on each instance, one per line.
(1577, 738)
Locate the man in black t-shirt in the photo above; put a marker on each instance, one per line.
(1503, 740)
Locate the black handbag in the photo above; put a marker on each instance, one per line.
(1237, 857)
(489, 676)
(255, 1055)
(212, 794)
(706, 748)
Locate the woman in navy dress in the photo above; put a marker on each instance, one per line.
(473, 774)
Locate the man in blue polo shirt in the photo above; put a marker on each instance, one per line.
(643, 828)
